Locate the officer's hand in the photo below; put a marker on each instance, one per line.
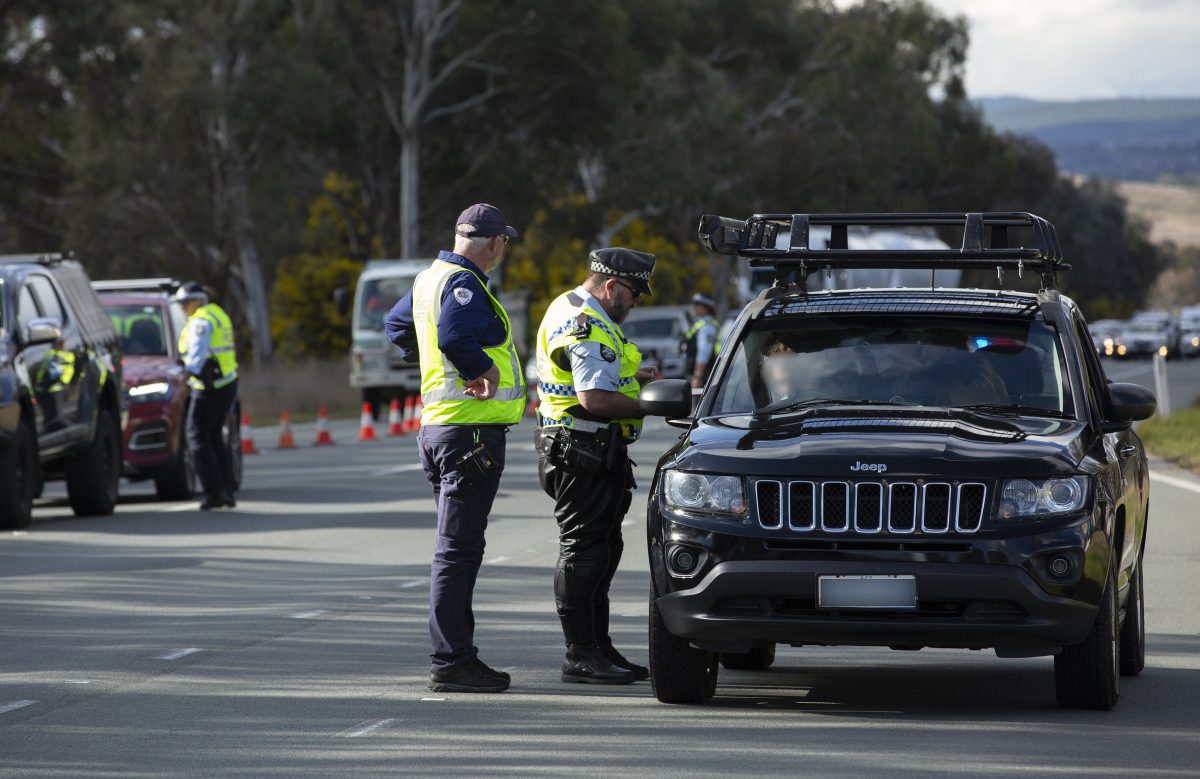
(483, 386)
(645, 375)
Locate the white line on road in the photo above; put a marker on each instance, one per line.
(183, 507)
(498, 560)
(397, 469)
(433, 699)
(1183, 484)
(367, 727)
(414, 583)
(77, 681)
(14, 705)
(308, 614)
(178, 653)
(627, 523)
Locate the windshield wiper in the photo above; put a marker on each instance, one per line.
(1013, 408)
(784, 406)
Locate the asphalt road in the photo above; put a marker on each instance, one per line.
(288, 638)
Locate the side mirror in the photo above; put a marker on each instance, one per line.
(1130, 403)
(43, 331)
(341, 300)
(671, 398)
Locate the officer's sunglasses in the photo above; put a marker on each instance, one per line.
(637, 293)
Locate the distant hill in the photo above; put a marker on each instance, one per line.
(1125, 139)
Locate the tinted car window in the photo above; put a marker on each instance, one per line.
(923, 360)
(140, 328)
(27, 310)
(47, 298)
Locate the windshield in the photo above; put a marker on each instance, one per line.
(376, 299)
(922, 360)
(140, 328)
(1147, 327)
(652, 328)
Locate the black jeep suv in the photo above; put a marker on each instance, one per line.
(60, 388)
(907, 468)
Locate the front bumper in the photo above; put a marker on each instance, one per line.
(963, 606)
(152, 435)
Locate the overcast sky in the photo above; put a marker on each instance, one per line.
(1080, 49)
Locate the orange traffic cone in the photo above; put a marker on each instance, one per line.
(247, 436)
(417, 409)
(395, 420)
(323, 436)
(410, 405)
(366, 425)
(286, 441)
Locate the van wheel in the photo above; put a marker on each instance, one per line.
(180, 482)
(679, 673)
(94, 474)
(759, 658)
(1087, 675)
(1133, 631)
(18, 474)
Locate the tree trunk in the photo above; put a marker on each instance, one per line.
(410, 178)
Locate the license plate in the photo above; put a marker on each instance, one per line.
(867, 592)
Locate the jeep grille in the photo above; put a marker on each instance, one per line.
(870, 507)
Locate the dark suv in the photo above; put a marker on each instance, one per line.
(60, 388)
(149, 323)
(900, 467)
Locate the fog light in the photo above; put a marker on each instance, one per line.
(683, 561)
(1060, 566)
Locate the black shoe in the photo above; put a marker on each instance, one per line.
(228, 502)
(640, 672)
(587, 665)
(211, 502)
(491, 672)
(467, 676)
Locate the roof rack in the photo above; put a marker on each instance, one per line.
(755, 239)
(137, 285)
(49, 258)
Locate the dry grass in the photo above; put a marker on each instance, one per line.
(1173, 211)
(1175, 438)
(299, 389)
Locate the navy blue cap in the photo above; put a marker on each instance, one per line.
(624, 264)
(193, 290)
(483, 221)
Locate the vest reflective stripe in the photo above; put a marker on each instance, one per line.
(445, 402)
(556, 388)
(221, 346)
(58, 361)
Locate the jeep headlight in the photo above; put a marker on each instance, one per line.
(143, 393)
(701, 492)
(1036, 497)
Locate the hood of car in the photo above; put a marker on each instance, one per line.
(849, 444)
(140, 370)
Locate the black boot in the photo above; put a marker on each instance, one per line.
(585, 663)
(640, 672)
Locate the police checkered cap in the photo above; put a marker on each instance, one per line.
(620, 263)
(704, 300)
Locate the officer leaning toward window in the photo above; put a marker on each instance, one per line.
(589, 379)
(472, 388)
(700, 341)
(210, 360)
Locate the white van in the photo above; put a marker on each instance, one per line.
(376, 366)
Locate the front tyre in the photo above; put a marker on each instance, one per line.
(18, 477)
(679, 673)
(180, 482)
(1133, 631)
(93, 475)
(1087, 675)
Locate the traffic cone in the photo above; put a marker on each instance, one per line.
(395, 420)
(286, 440)
(247, 435)
(417, 409)
(323, 436)
(410, 405)
(366, 425)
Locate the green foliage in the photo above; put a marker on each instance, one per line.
(304, 320)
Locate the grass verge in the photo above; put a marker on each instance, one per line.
(300, 389)
(1175, 438)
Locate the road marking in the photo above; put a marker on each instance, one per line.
(363, 597)
(398, 469)
(433, 699)
(498, 560)
(183, 507)
(308, 614)
(414, 583)
(627, 523)
(367, 727)
(1183, 484)
(77, 681)
(178, 653)
(20, 532)
(14, 705)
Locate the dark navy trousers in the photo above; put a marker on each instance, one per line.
(463, 506)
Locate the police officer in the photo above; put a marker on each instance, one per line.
(700, 341)
(472, 388)
(589, 379)
(210, 360)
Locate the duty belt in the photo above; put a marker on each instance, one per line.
(578, 425)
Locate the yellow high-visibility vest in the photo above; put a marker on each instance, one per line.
(220, 344)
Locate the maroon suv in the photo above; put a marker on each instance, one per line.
(155, 445)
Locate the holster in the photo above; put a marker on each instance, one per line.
(566, 448)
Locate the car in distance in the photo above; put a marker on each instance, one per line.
(154, 437)
(60, 379)
(904, 468)
(659, 334)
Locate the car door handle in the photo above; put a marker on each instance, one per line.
(1128, 451)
